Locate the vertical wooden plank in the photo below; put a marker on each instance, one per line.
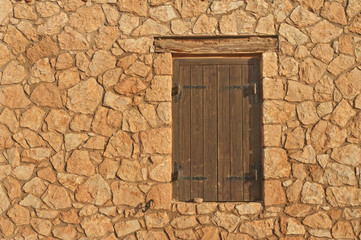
(255, 193)
(176, 130)
(185, 137)
(196, 130)
(210, 132)
(224, 186)
(236, 141)
(246, 141)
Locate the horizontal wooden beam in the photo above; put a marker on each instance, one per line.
(199, 45)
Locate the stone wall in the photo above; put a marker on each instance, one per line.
(85, 120)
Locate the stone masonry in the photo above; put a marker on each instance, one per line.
(85, 120)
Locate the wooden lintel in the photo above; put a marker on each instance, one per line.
(199, 45)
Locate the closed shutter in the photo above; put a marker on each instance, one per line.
(216, 129)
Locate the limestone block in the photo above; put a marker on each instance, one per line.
(139, 45)
(334, 12)
(125, 227)
(57, 120)
(13, 96)
(191, 8)
(19, 215)
(47, 9)
(319, 220)
(47, 95)
(119, 145)
(16, 40)
(204, 25)
(162, 196)
(266, 25)
(273, 88)
(102, 61)
(306, 112)
(111, 14)
(356, 24)
(342, 113)
(275, 163)
(293, 35)
(13, 73)
(106, 121)
(5, 10)
(342, 229)
(41, 72)
(127, 194)
(274, 193)
(343, 196)
(338, 175)
(340, 64)
(97, 226)
(258, 228)
(5, 55)
(53, 25)
(56, 197)
(106, 37)
(41, 226)
(311, 70)
(44, 48)
(185, 222)
(323, 32)
(129, 170)
(79, 163)
(312, 193)
(302, 17)
(87, 19)
(276, 111)
(162, 13)
(307, 155)
(70, 39)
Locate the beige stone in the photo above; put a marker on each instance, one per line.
(274, 193)
(56, 197)
(288, 66)
(13, 73)
(47, 174)
(334, 12)
(5, 10)
(6, 226)
(162, 196)
(343, 196)
(258, 228)
(127, 61)
(44, 48)
(191, 8)
(36, 155)
(70, 216)
(87, 19)
(348, 155)
(68, 78)
(85, 96)
(312, 193)
(156, 141)
(342, 229)
(41, 72)
(311, 70)
(70, 39)
(24, 11)
(41, 226)
(5, 171)
(302, 17)
(156, 220)
(314, 5)
(65, 232)
(293, 35)
(338, 175)
(298, 92)
(222, 7)
(184, 222)
(12, 187)
(164, 112)
(319, 220)
(111, 77)
(342, 113)
(297, 210)
(106, 37)
(273, 88)
(160, 89)
(272, 135)
(270, 66)
(160, 170)
(293, 191)
(307, 155)
(138, 69)
(266, 25)
(47, 9)
(47, 95)
(106, 121)
(326, 135)
(111, 14)
(126, 194)
(275, 163)
(23, 172)
(139, 45)
(136, 6)
(356, 24)
(64, 61)
(53, 25)
(129, 170)
(57, 120)
(278, 111)
(126, 227)
(79, 163)
(72, 5)
(226, 220)
(204, 25)
(97, 226)
(120, 145)
(306, 112)
(162, 13)
(295, 139)
(28, 30)
(180, 27)
(128, 22)
(5, 55)
(149, 113)
(96, 142)
(346, 44)
(74, 140)
(13, 96)
(184, 234)
(323, 32)
(16, 40)
(27, 138)
(294, 227)
(8, 118)
(108, 168)
(102, 61)
(323, 52)
(58, 161)
(32, 118)
(349, 83)
(70, 181)
(19, 215)
(129, 86)
(249, 208)
(324, 89)
(133, 121)
(340, 64)
(4, 201)
(163, 64)
(80, 123)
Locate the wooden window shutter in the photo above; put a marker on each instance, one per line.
(216, 129)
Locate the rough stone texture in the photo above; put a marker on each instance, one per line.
(86, 120)
(85, 96)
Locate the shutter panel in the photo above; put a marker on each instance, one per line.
(216, 130)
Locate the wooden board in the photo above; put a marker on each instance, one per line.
(199, 45)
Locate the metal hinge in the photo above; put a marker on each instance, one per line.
(178, 174)
(244, 178)
(247, 86)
